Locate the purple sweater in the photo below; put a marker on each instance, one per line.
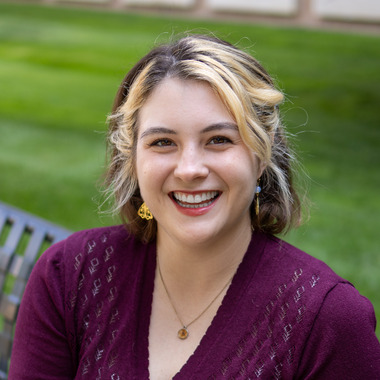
(86, 311)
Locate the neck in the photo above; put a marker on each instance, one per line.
(192, 280)
(209, 264)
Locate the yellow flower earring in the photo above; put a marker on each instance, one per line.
(144, 212)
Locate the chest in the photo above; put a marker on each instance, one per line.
(167, 352)
(118, 330)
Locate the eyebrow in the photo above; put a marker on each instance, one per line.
(156, 131)
(210, 128)
(220, 126)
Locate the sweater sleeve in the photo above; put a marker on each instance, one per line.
(41, 350)
(342, 343)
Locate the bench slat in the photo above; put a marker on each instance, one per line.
(27, 234)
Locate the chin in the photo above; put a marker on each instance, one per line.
(199, 236)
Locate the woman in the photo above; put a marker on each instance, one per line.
(196, 286)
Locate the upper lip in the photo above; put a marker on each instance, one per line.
(195, 196)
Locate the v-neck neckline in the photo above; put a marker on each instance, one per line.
(220, 322)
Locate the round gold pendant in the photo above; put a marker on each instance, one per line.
(183, 333)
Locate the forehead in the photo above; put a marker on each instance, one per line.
(176, 101)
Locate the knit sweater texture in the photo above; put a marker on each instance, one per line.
(86, 311)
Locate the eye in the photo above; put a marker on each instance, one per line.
(217, 140)
(162, 143)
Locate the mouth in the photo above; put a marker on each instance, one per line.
(198, 200)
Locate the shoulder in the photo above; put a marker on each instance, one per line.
(344, 305)
(89, 240)
(287, 260)
(285, 255)
(324, 320)
(90, 243)
(293, 268)
(337, 324)
(90, 265)
(342, 341)
(88, 252)
(308, 282)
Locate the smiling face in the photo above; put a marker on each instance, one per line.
(194, 172)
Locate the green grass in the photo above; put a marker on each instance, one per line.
(60, 69)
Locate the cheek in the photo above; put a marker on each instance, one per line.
(243, 173)
(244, 166)
(144, 179)
(150, 172)
(142, 172)
(142, 162)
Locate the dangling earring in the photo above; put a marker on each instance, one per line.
(258, 190)
(144, 212)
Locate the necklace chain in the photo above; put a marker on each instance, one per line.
(183, 333)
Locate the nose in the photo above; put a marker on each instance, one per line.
(191, 165)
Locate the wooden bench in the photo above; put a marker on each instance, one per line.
(23, 237)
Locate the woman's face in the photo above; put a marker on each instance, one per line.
(194, 172)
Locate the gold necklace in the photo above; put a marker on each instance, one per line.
(183, 332)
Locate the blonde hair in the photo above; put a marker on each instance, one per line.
(249, 94)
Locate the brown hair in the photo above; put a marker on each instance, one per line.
(249, 94)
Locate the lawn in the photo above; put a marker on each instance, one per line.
(59, 71)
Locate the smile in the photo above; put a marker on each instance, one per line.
(195, 200)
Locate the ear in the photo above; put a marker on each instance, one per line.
(262, 166)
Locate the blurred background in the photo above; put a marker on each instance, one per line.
(61, 65)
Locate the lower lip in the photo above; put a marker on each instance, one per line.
(195, 211)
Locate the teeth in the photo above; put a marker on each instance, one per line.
(194, 205)
(195, 201)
